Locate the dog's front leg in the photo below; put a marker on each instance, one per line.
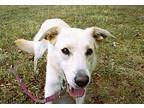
(80, 100)
(52, 82)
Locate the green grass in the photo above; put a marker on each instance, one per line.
(119, 76)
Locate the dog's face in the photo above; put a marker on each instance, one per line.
(74, 50)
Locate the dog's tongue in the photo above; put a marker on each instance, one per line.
(76, 92)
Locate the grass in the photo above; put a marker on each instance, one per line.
(119, 76)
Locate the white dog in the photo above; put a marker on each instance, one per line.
(71, 55)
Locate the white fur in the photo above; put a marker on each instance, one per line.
(60, 65)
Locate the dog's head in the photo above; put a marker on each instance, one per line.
(74, 51)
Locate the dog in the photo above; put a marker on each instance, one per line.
(71, 56)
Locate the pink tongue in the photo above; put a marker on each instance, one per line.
(76, 92)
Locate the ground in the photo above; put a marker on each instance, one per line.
(119, 74)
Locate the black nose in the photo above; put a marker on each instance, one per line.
(81, 80)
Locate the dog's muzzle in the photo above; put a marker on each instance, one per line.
(81, 80)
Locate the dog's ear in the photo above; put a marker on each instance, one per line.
(51, 34)
(98, 34)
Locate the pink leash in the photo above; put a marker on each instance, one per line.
(25, 90)
(30, 95)
(34, 98)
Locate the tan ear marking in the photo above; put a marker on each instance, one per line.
(51, 34)
(98, 37)
(99, 34)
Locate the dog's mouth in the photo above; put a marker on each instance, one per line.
(76, 92)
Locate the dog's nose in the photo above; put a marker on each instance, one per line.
(81, 80)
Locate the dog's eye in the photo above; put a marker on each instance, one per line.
(89, 51)
(65, 51)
